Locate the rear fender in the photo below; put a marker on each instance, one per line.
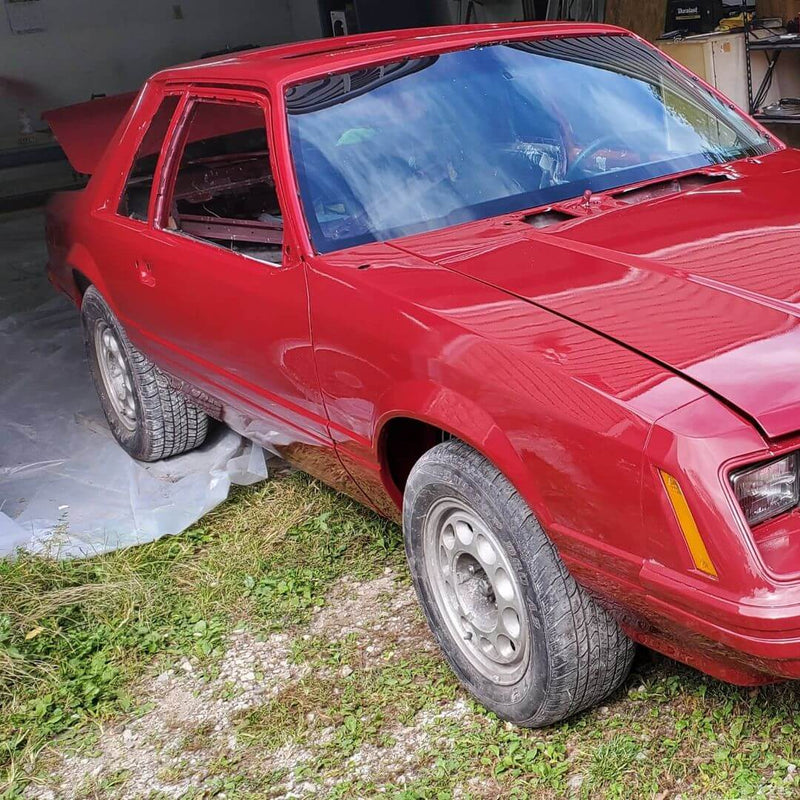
(79, 259)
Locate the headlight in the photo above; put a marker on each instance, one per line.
(767, 490)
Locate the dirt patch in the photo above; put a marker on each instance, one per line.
(170, 750)
(398, 763)
(381, 614)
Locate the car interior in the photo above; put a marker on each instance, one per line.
(223, 191)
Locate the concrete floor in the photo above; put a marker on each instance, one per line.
(22, 259)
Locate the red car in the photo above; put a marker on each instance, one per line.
(528, 287)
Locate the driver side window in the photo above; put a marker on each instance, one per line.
(224, 192)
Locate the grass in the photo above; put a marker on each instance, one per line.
(370, 712)
(74, 635)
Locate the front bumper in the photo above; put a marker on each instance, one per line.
(746, 641)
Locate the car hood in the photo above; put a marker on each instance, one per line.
(705, 282)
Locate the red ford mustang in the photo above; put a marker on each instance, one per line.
(527, 286)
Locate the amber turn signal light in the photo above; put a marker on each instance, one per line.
(688, 526)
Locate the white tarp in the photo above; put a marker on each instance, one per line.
(66, 487)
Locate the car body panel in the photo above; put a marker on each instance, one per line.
(254, 347)
(710, 299)
(84, 129)
(580, 358)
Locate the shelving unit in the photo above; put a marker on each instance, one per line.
(773, 46)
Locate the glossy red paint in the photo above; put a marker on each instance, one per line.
(84, 129)
(581, 358)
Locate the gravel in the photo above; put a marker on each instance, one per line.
(169, 750)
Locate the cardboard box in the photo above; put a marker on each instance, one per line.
(785, 9)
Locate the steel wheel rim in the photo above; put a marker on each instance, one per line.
(476, 591)
(116, 374)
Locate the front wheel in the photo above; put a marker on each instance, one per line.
(518, 631)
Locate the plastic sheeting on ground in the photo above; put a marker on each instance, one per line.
(66, 486)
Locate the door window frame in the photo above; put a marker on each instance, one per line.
(153, 101)
(169, 164)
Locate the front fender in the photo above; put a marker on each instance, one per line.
(463, 418)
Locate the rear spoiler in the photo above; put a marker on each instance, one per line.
(84, 130)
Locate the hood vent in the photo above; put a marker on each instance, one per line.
(550, 216)
(652, 191)
(546, 217)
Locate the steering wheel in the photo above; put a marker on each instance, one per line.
(591, 149)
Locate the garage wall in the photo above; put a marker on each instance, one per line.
(305, 19)
(646, 19)
(93, 46)
(492, 11)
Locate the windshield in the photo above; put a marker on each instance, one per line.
(430, 142)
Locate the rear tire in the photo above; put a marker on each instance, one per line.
(149, 418)
(520, 634)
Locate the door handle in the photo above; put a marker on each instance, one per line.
(144, 273)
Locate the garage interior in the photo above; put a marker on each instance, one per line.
(65, 486)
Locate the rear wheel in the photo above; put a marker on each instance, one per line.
(146, 415)
(518, 631)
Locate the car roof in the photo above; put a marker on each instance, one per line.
(291, 63)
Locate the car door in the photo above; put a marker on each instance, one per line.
(214, 291)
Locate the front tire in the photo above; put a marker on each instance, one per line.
(520, 634)
(147, 416)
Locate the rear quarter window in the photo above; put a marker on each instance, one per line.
(135, 198)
